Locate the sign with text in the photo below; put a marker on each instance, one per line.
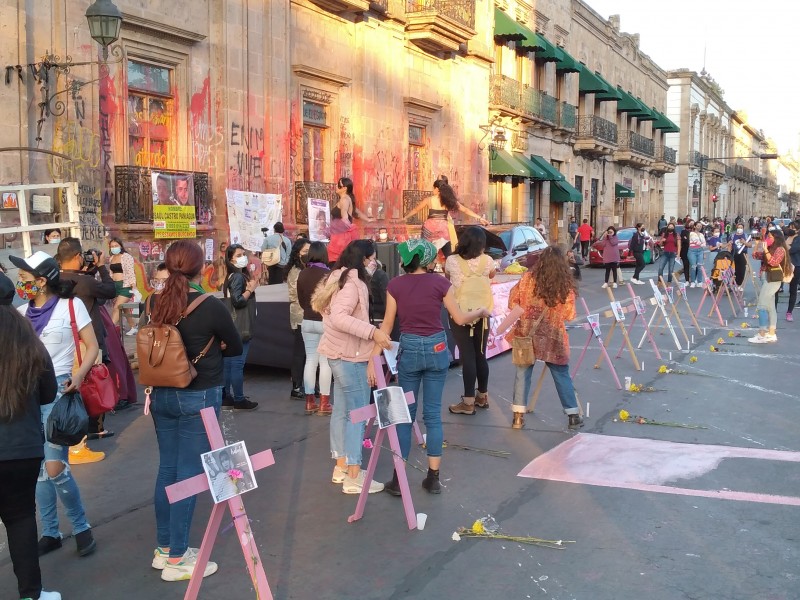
(248, 214)
(319, 218)
(174, 222)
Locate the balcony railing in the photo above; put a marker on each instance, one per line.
(666, 155)
(519, 141)
(597, 127)
(134, 195)
(411, 198)
(567, 115)
(634, 142)
(461, 11)
(505, 91)
(698, 158)
(303, 190)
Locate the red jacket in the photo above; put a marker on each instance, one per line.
(585, 231)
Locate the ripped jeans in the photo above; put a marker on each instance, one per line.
(63, 486)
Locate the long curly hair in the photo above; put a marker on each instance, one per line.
(554, 281)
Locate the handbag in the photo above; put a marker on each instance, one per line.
(270, 257)
(242, 318)
(522, 352)
(68, 422)
(98, 390)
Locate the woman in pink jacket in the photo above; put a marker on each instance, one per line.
(348, 340)
(610, 253)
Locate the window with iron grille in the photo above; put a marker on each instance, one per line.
(417, 136)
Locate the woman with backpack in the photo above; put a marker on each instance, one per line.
(416, 299)
(470, 272)
(546, 295)
(27, 384)
(241, 289)
(204, 325)
(58, 319)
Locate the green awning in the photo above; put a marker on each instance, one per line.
(627, 103)
(611, 95)
(561, 191)
(620, 191)
(589, 83)
(502, 163)
(644, 113)
(506, 28)
(566, 63)
(549, 52)
(536, 171)
(553, 174)
(533, 42)
(664, 123)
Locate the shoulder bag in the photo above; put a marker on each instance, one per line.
(522, 353)
(270, 257)
(242, 318)
(98, 390)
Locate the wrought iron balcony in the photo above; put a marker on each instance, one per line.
(340, 6)
(665, 160)
(133, 200)
(303, 190)
(567, 115)
(635, 142)
(698, 159)
(539, 106)
(596, 136)
(411, 198)
(505, 93)
(440, 25)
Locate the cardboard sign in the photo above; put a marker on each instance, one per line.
(619, 314)
(594, 323)
(638, 305)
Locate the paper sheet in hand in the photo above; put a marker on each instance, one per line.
(391, 357)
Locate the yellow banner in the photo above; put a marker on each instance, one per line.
(174, 222)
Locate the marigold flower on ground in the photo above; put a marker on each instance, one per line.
(693, 359)
(663, 369)
(745, 326)
(623, 415)
(713, 349)
(731, 334)
(477, 527)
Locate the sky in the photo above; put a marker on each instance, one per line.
(751, 50)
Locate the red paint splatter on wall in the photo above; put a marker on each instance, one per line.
(109, 109)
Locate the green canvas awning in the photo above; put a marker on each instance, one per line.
(664, 123)
(561, 191)
(533, 42)
(506, 28)
(503, 164)
(552, 174)
(588, 83)
(612, 94)
(549, 52)
(644, 113)
(566, 63)
(537, 172)
(626, 103)
(620, 191)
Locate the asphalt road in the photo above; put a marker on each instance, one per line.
(631, 540)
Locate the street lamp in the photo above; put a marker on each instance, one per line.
(703, 160)
(105, 21)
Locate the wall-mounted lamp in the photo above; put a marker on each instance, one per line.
(105, 21)
(496, 130)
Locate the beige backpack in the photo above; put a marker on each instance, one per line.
(475, 291)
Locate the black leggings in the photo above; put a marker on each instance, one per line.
(298, 358)
(611, 268)
(739, 267)
(472, 354)
(793, 289)
(685, 261)
(18, 513)
(639, 256)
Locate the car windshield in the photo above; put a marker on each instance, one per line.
(506, 237)
(625, 234)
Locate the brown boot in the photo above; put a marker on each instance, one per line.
(482, 399)
(519, 421)
(465, 407)
(325, 408)
(311, 404)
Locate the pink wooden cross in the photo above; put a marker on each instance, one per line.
(369, 412)
(647, 331)
(603, 351)
(708, 292)
(199, 483)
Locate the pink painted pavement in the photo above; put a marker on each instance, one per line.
(646, 465)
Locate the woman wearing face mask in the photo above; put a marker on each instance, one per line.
(49, 300)
(774, 256)
(697, 244)
(52, 236)
(740, 243)
(121, 265)
(610, 254)
(242, 291)
(637, 246)
(683, 251)
(670, 248)
(297, 262)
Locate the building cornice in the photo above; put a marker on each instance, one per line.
(320, 75)
(161, 30)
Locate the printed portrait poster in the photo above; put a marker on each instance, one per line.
(391, 406)
(594, 323)
(174, 213)
(639, 305)
(248, 214)
(619, 314)
(229, 472)
(319, 219)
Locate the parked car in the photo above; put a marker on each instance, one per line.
(625, 256)
(510, 243)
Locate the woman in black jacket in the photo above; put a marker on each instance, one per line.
(637, 246)
(28, 382)
(242, 291)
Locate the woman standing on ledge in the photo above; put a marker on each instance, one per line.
(438, 224)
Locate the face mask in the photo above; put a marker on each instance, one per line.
(241, 262)
(670, 229)
(54, 241)
(27, 290)
(716, 234)
(157, 284)
(304, 258)
(740, 231)
(116, 250)
(372, 266)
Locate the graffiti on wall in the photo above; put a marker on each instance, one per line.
(246, 170)
(343, 158)
(207, 138)
(108, 111)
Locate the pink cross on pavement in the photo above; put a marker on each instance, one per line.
(198, 484)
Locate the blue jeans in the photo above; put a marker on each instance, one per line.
(62, 485)
(667, 260)
(423, 361)
(312, 332)
(351, 390)
(181, 440)
(562, 380)
(234, 373)
(695, 262)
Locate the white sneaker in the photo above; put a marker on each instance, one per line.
(184, 569)
(338, 475)
(49, 595)
(771, 337)
(159, 559)
(691, 285)
(133, 331)
(639, 282)
(604, 286)
(354, 486)
(759, 339)
(614, 285)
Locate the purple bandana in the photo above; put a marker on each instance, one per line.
(40, 317)
(318, 264)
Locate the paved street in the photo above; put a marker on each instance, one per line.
(631, 542)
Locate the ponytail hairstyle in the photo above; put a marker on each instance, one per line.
(184, 260)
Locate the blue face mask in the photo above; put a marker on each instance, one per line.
(116, 250)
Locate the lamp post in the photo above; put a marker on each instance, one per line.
(703, 161)
(105, 21)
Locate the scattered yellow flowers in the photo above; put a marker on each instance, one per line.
(477, 527)
(731, 334)
(721, 341)
(693, 359)
(663, 369)
(635, 388)
(714, 349)
(624, 415)
(745, 326)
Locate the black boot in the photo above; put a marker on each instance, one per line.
(393, 487)
(431, 482)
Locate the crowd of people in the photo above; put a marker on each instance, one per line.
(344, 310)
